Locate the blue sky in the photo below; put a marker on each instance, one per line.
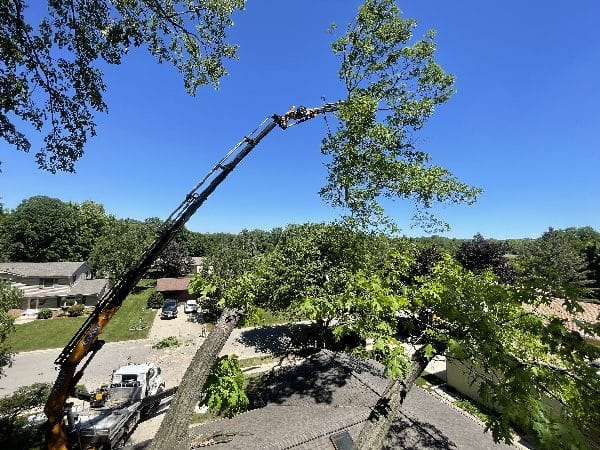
(524, 124)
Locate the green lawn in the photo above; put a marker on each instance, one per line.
(263, 317)
(56, 333)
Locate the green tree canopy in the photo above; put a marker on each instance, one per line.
(51, 74)
(174, 261)
(555, 267)
(121, 244)
(9, 299)
(393, 86)
(479, 254)
(43, 229)
(315, 260)
(525, 363)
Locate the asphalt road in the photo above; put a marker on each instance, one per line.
(38, 366)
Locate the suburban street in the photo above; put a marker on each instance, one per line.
(38, 366)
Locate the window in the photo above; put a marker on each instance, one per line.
(47, 282)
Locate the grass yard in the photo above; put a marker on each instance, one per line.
(263, 317)
(55, 333)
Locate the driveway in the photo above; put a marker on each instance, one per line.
(184, 327)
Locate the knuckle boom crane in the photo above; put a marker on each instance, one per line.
(86, 342)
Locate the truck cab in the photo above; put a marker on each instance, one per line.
(108, 424)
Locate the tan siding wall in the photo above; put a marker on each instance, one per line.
(466, 379)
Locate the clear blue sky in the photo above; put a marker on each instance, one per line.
(524, 124)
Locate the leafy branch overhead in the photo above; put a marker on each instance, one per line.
(50, 77)
(392, 89)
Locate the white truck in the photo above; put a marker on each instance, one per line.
(115, 410)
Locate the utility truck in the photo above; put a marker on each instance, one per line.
(114, 410)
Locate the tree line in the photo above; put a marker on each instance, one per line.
(44, 229)
(473, 304)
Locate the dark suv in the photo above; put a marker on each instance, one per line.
(169, 309)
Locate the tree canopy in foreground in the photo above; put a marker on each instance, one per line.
(524, 361)
(51, 77)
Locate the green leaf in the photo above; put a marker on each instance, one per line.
(428, 351)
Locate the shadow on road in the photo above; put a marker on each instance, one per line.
(281, 340)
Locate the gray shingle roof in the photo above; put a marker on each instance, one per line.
(274, 427)
(330, 392)
(331, 378)
(42, 270)
(305, 404)
(89, 287)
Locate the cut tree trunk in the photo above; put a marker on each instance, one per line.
(385, 411)
(173, 432)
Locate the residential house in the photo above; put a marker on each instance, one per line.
(324, 402)
(176, 288)
(53, 284)
(467, 378)
(197, 264)
(590, 314)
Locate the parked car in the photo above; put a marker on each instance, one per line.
(191, 306)
(169, 309)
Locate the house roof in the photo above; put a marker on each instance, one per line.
(305, 406)
(89, 287)
(172, 284)
(590, 314)
(198, 260)
(42, 270)
(83, 287)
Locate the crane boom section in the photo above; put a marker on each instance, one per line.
(86, 337)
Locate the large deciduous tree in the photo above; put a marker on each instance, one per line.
(9, 298)
(51, 76)
(174, 261)
(523, 363)
(555, 267)
(480, 253)
(392, 86)
(42, 229)
(121, 244)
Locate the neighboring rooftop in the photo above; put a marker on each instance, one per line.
(42, 270)
(89, 287)
(198, 260)
(172, 284)
(556, 308)
(329, 397)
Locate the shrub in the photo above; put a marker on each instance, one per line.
(76, 310)
(44, 313)
(15, 431)
(155, 300)
(24, 399)
(224, 387)
(167, 342)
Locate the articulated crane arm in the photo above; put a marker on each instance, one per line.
(86, 342)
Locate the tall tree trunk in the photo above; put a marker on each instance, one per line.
(173, 432)
(385, 411)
